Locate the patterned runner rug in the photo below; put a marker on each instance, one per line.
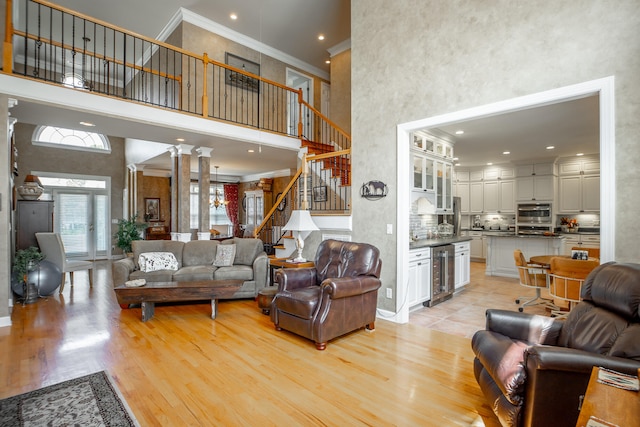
(92, 400)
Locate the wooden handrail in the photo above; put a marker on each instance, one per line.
(93, 55)
(277, 203)
(329, 154)
(326, 119)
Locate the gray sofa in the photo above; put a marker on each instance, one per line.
(195, 262)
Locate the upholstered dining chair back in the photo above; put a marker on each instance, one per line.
(52, 247)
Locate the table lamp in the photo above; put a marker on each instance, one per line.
(300, 223)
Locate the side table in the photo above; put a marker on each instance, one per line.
(265, 298)
(611, 404)
(275, 263)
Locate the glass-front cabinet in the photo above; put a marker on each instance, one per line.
(444, 187)
(422, 176)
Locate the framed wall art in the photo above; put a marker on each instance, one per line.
(151, 209)
(240, 80)
(320, 193)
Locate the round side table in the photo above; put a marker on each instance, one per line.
(265, 298)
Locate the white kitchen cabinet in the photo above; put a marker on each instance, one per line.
(476, 197)
(584, 166)
(444, 186)
(462, 191)
(498, 196)
(423, 172)
(419, 286)
(477, 245)
(535, 169)
(462, 264)
(581, 241)
(579, 193)
(535, 188)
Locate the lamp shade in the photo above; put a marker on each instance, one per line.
(300, 221)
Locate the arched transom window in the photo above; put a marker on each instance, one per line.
(70, 138)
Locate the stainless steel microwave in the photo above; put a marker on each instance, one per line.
(534, 213)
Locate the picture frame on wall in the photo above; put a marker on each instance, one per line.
(320, 193)
(240, 80)
(151, 209)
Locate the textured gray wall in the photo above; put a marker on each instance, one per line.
(413, 59)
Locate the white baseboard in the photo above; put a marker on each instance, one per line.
(389, 315)
(5, 321)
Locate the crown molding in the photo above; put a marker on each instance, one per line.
(340, 47)
(185, 15)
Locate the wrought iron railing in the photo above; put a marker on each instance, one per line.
(61, 46)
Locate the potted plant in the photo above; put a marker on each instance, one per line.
(25, 261)
(128, 231)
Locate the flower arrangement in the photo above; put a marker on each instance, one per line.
(569, 225)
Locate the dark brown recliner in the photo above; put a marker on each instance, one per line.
(337, 296)
(534, 370)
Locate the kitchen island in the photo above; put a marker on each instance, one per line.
(500, 247)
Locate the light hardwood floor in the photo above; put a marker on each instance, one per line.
(182, 368)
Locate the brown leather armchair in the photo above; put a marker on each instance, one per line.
(337, 296)
(534, 370)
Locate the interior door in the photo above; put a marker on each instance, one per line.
(82, 221)
(298, 81)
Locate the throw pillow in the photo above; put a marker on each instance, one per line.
(154, 261)
(225, 255)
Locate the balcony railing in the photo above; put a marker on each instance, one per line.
(58, 45)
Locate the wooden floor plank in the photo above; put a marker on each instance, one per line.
(183, 368)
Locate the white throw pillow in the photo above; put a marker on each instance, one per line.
(225, 255)
(154, 261)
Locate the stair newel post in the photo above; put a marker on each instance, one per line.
(300, 99)
(7, 64)
(205, 97)
(305, 172)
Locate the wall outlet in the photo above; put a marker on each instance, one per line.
(389, 293)
(389, 228)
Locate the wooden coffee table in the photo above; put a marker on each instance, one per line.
(154, 292)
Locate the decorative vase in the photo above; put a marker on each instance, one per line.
(32, 188)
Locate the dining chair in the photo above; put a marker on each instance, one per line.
(52, 247)
(593, 252)
(531, 276)
(567, 276)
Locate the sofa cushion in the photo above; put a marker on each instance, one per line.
(195, 272)
(199, 252)
(303, 304)
(247, 249)
(154, 261)
(225, 255)
(237, 272)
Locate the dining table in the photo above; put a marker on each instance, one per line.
(544, 261)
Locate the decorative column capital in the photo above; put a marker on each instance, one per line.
(204, 151)
(184, 149)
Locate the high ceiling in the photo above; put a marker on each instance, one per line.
(290, 26)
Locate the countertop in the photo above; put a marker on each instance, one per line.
(526, 236)
(429, 243)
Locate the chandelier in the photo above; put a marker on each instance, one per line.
(218, 200)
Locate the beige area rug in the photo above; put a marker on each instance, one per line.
(92, 400)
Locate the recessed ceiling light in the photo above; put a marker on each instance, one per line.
(455, 158)
(321, 37)
(180, 139)
(506, 152)
(88, 124)
(489, 164)
(550, 147)
(233, 16)
(328, 61)
(251, 150)
(459, 132)
(457, 164)
(580, 154)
